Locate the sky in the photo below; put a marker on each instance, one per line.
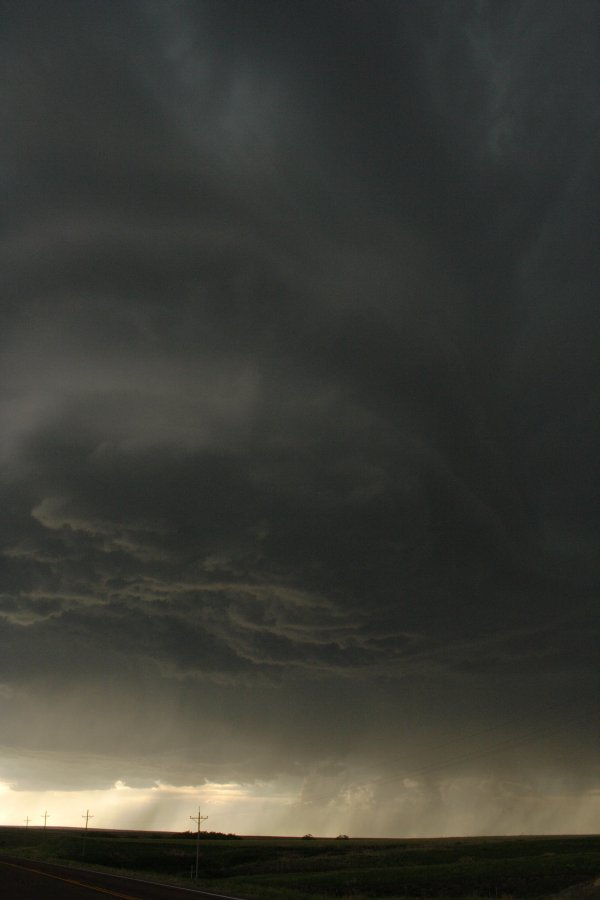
(300, 409)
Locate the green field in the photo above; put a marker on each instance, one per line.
(323, 869)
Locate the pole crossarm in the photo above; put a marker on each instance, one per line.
(199, 819)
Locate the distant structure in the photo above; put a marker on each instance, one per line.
(87, 816)
(199, 819)
(27, 821)
(45, 816)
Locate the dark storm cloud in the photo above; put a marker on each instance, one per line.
(299, 361)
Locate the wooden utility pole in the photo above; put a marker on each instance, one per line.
(199, 819)
(87, 818)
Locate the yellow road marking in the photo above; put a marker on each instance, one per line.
(89, 887)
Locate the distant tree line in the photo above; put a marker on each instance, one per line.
(211, 836)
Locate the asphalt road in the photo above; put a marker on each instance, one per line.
(22, 879)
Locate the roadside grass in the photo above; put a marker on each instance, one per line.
(326, 869)
(515, 878)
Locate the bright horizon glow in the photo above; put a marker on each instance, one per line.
(264, 809)
(159, 807)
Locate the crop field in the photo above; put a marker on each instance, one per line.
(326, 868)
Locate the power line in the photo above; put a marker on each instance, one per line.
(504, 723)
(507, 744)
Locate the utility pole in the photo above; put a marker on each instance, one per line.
(45, 817)
(87, 818)
(27, 821)
(199, 819)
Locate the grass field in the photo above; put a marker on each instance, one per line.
(323, 869)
